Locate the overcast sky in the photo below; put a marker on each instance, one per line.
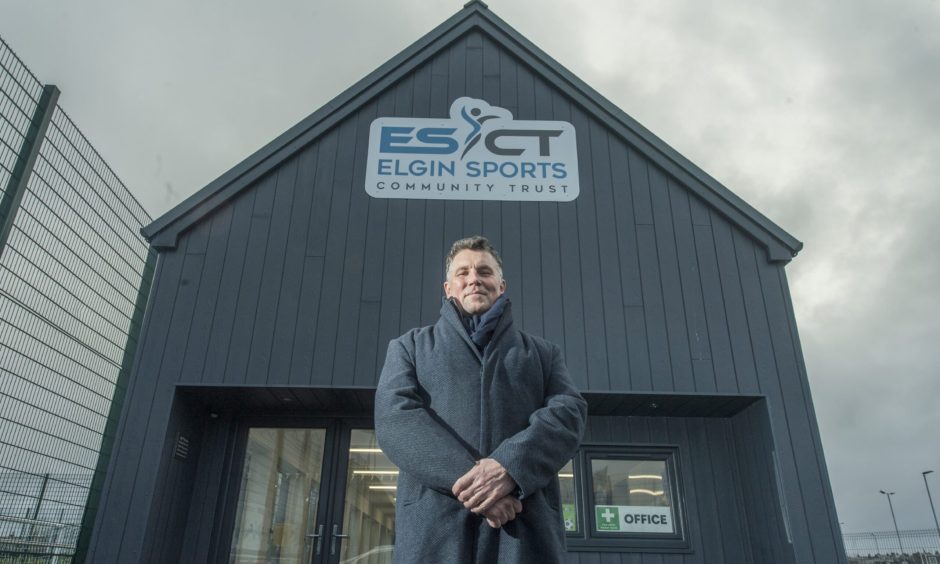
(825, 116)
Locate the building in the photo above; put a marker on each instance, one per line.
(246, 433)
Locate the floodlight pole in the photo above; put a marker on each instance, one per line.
(930, 498)
(891, 507)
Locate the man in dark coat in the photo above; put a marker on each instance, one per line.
(479, 417)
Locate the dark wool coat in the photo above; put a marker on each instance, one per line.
(441, 405)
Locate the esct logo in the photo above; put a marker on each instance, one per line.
(479, 152)
(499, 137)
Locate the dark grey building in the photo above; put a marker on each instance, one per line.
(246, 433)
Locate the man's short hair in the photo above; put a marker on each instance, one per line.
(475, 243)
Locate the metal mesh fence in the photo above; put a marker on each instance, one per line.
(884, 543)
(47, 530)
(19, 96)
(73, 271)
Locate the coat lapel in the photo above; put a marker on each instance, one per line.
(451, 317)
(505, 321)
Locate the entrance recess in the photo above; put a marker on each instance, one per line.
(323, 494)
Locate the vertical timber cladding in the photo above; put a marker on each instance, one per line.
(286, 274)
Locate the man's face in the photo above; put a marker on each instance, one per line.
(474, 281)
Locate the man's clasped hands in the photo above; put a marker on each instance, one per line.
(487, 490)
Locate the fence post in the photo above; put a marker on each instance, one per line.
(25, 160)
(114, 413)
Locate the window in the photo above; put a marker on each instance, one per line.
(569, 501)
(623, 497)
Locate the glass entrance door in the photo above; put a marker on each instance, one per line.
(276, 515)
(368, 502)
(323, 495)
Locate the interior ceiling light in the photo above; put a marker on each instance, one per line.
(647, 492)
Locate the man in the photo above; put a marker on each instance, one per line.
(479, 417)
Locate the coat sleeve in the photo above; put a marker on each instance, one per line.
(534, 455)
(409, 434)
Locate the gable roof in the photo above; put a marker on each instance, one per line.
(164, 231)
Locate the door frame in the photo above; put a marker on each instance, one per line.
(340, 468)
(333, 473)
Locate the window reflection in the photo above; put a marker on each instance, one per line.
(369, 516)
(569, 501)
(630, 482)
(278, 497)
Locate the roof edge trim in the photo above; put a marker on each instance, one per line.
(164, 231)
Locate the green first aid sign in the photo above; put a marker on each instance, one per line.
(607, 517)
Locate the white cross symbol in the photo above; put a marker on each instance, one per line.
(607, 515)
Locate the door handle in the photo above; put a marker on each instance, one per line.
(336, 535)
(318, 537)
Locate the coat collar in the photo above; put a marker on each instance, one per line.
(451, 316)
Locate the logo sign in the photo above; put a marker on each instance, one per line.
(633, 519)
(479, 153)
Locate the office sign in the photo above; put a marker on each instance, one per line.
(633, 519)
(478, 153)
